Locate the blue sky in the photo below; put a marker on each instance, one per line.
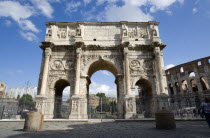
(184, 27)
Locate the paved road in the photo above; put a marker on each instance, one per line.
(185, 129)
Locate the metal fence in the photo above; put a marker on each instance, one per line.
(107, 108)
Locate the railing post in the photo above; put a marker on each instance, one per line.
(2, 112)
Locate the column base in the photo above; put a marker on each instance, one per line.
(78, 107)
(130, 116)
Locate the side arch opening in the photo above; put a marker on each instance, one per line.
(144, 98)
(61, 103)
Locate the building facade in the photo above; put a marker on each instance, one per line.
(189, 83)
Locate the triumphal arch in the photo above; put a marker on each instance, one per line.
(73, 51)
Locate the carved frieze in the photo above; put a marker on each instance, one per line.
(62, 32)
(58, 72)
(71, 33)
(137, 33)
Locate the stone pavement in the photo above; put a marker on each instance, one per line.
(144, 129)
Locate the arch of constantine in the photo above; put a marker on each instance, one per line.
(73, 51)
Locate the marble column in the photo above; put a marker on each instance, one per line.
(127, 72)
(77, 77)
(45, 71)
(159, 69)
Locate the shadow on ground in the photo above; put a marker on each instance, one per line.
(185, 129)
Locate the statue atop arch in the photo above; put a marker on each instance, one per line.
(73, 51)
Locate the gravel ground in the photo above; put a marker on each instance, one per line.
(185, 129)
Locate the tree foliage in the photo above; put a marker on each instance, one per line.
(27, 100)
(104, 103)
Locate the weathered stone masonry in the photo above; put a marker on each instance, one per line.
(73, 51)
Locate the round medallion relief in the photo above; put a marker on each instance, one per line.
(135, 65)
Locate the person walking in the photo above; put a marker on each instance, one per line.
(205, 106)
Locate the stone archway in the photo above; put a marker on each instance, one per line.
(102, 64)
(60, 85)
(75, 50)
(145, 97)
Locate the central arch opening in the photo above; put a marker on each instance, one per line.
(102, 91)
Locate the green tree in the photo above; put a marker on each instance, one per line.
(26, 102)
(101, 95)
(105, 103)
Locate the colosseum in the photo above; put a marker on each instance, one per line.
(188, 83)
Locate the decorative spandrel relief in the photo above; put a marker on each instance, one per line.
(57, 65)
(88, 59)
(69, 64)
(60, 64)
(135, 65)
(148, 65)
(143, 66)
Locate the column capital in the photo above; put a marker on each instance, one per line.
(46, 45)
(48, 52)
(126, 51)
(78, 50)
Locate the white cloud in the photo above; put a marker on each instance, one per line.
(54, 0)
(103, 88)
(131, 10)
(99, 2)
(125, 13)
(106, 73)
(44, 6)
(8, 23)
(28, 25)
(20, 14)
(194, 10)
(14, 10)
(29, 36)
(72, 6)
(136, 2)
(169, 66)
(86, 1)
(181, 1)
(160, 4)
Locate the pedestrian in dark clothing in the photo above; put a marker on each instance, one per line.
(205, 106)
(194, 113)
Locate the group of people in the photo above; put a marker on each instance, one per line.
(202, 111)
